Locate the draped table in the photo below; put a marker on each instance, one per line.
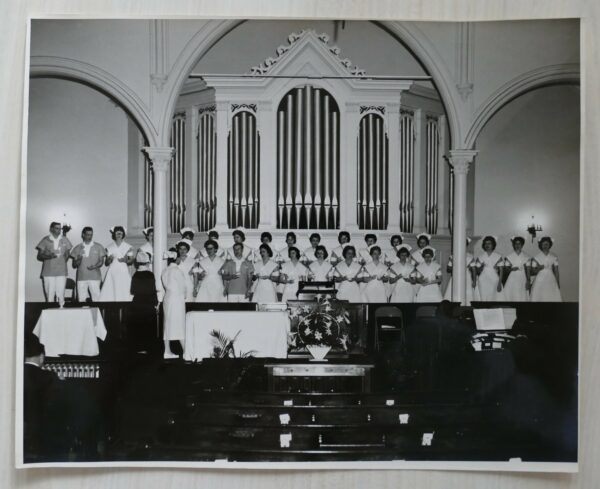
(263, 334)
(72, 331)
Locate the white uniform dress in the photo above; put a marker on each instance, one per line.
(402, 291)
(348, 290)
(472, 293)
(514, 289)
(117, 281)
(374, 290)
(488, 278)
(308, 256)
(545, 288)
(186, 266)
(321, 271)
(337, 253)
(429, 292)
(175, 284)
(293, 272)
(211, 288)
(264, 288)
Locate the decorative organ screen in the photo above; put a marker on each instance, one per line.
(207, 168)
(373, 173)
(407, 161)
(308, 160)
(148, 192)
(451, 201)
(243, 171)
(177, 173)
(432, 156)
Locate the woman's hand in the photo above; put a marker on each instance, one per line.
(109, 259)
(499, 288)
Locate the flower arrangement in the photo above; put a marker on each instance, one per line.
(323, 324)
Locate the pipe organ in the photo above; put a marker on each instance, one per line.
(177, 174)
(308, 160)
(206, 138)
(372, 173)
(432, 156)
(243, 150)
(148, 192)
(407, 157)
(278, 152)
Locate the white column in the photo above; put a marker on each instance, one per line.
(191, 166)
(460, 159)
(160, 159)
(393, 183)
(222, 122)
(267, 127)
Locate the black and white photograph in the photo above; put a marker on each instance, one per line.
(300, 243)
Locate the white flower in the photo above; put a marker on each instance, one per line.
(318, 335)
(307, 331)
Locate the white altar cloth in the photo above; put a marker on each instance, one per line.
(263, 334)
(71, 331)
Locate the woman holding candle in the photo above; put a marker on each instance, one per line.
(546, 286)
(320, 268)
(291, 273)
(264, 272)
(337, 254)
(400, 277)
(373, 275)
(517, 286)
(489, 266)
(346, 274)
(209, 272)
(119, 256)
(429, 276)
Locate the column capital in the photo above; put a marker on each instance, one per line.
(159, 156)
(461, 159)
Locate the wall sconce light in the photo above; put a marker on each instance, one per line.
(533, 229)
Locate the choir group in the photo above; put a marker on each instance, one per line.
(369, 273)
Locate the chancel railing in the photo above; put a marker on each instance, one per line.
(372, 205)
(407, 162)
(308, 160)
(177, 173)
(432, 156)
(243, 171)
(206, 140)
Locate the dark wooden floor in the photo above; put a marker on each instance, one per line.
(481, 406)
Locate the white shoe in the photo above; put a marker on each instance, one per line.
(170, 356)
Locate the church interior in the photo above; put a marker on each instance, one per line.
(463, 133)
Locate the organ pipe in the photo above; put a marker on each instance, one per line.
(206, 144)
(307, 159)
(372, 173)
(242, 166)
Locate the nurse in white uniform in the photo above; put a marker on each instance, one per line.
(546, 286)
(188, 234)
(489, 269)
(187, 263)
(308, 255)
(429, 275)
(346, 274)
(373, 277)
(119, 256)
(517, 286)
(264, 277)
(291, 273)
(400, 277)
(337, 254)
(211, 286)
(320, 269)
(175, 284)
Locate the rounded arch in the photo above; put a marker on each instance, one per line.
(538, 78)
(408, 35)
(98, 79)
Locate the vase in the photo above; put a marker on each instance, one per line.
(318, 352)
